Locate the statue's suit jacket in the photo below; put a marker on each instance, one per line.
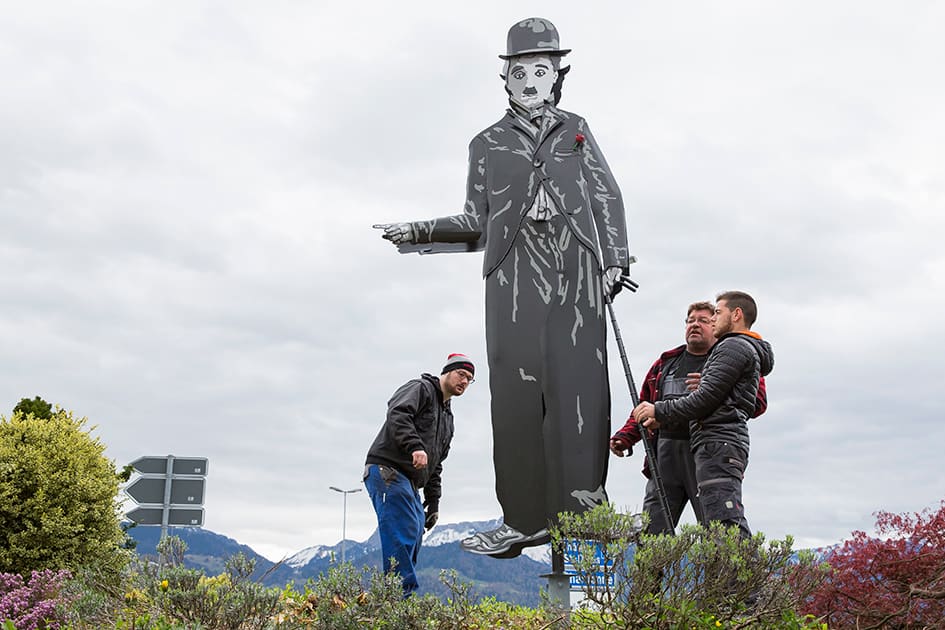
(547, 358)
(508, 161)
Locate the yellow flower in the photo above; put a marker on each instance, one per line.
(164, 585)
(718, 624)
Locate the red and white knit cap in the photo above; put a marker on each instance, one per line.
(457, 361)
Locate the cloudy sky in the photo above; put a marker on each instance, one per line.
(187, 192)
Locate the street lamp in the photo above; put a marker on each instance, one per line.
(344, 516)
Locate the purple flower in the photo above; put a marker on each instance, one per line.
(36, 604)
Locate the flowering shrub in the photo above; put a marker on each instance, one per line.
(38, 603)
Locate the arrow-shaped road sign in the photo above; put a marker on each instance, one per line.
(184, 491)
(187, 517)
(151, 465)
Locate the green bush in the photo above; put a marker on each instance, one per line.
(228, 601)
(161, 594)
(700, 578)
(348, 599)
(58, 497)
(37, 406)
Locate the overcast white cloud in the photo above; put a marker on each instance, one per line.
(187, 190)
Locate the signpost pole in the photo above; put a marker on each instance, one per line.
(167, 496)
(169, 491)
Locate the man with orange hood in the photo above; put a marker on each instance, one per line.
(719, 409)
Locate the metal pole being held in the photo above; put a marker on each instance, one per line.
(631, 286)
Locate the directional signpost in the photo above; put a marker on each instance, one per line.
(169, 491)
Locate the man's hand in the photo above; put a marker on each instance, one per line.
(619, 445)
(396, 233)
(610, 281)
(645, 415)
(431, 514)
(419, 459)
(692, 381)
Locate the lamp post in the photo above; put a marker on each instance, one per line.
(344, 516)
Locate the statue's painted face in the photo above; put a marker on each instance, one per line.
(530, 79)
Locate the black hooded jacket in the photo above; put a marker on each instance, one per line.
(417, 420)
(719, 409)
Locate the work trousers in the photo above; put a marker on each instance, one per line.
(547, 354)
(399, 521)
(720, 469)
(678, 470)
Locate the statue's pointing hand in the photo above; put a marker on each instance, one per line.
(396, 233)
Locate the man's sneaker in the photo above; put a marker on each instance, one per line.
(503, 540)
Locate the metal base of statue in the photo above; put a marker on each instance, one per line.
(559, 583)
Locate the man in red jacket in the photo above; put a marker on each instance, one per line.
(674, 375)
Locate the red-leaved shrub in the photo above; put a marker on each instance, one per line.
(894, 581)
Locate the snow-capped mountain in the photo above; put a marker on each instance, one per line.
(455, 532)
(445, 534)
(308, 554)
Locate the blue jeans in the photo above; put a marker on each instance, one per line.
(399, 521)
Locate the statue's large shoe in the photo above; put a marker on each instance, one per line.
(503, 542)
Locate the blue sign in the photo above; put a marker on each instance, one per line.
(574, 553)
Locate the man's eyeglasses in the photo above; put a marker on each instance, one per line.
(466, 376)
(702, 320)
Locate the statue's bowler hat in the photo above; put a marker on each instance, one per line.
(533, 36)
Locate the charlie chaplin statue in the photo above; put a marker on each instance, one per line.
(543, 205)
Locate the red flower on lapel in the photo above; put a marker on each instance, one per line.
(578, 142)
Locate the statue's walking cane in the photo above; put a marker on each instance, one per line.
(632, 286)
